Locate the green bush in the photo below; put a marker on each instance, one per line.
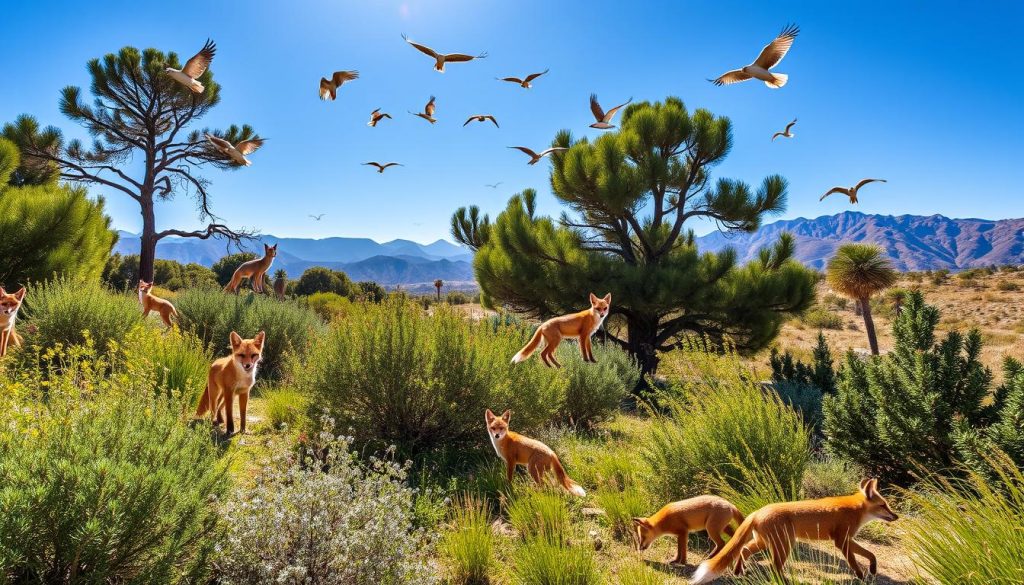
(285, 407)
(829, 476)
(100, 479)
(457, 297)
(822, 318)
(179, 360)
(540, 562)
(719, 425)
(1007, 286)
(213, 315)
(324, 280)
(593, 392)
(330, 306)
(468, 544)
(62, 311)
(225, 268)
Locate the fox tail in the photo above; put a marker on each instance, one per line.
(530, 347)
(563, 478)
(712, 568)
(204, 403)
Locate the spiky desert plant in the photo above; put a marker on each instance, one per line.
(860, 271)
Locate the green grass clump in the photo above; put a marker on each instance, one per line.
(620, 507)
(180, 360)
(285, 407)
(62, 312)
(640, 574)
(822, 318)
(829, 476)
(468, 544)
(539, 514)
(540, 562)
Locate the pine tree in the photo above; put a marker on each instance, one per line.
(630, 197)
(139, 121)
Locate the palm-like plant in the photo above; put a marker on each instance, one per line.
(860, 271)
(438, 284)
(280, 283)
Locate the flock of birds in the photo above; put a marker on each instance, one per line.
(771, 55)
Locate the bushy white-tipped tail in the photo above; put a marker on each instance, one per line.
(703, 574)
(780, 79)
(529, 348)
(577, 490)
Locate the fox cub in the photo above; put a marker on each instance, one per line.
(679, 519)
(254, 270)
(230, 376)
(9, 305)
(150, 303)
(515, 449)
(776, 526)
(580, 325)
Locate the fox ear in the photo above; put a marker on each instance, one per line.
(608, 298)
(593, 298)
(864, 486)
(637, 521)
(260, 337)
(872, 488)
(2, 291)
(488, 415)
(236, 339)
(506, 416)
(20, 294)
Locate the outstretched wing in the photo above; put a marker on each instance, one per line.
(730, 77)
(866, 181)
(553, 149)
(529, 152)
(776, 135)
(218, 143)
(429, 109)
(197, 65)
(533, 76)
(790, 125)
(595, 107)
(491, 118)
(833, 190)
(461, 57)
(512, 79)
(390, 164)
(422, 48)
(374, 164)
(774, 51)
(340, 77)
(611, 113)
(249, 146)
(468, 120)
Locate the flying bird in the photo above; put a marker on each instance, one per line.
(850, 192)
(428, 111)
(770, 56)
(381, 167)
(603, 118)
(535, 157)
(329, 87)
(318, 217)
(495, 185)
(481, 118)
(238, 151)
(377, 116)
(442, 58)
(524, 83)
(785, 133)
(194, 68)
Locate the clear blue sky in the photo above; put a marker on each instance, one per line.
(926, 95)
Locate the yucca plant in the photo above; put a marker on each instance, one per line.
(860, 271)
(468, 544)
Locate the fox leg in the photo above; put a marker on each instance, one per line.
(583, 347)
(681, 545)
(165, 316)
(5, 337)
(229, 414)
(870, 556)
(549, 349)
(590, 349)
(780, 547)
(849, 547)
(749, 550)
(536, 470)
(715, 529)
(243, 403)
(510, 470)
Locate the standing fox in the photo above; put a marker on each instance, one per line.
(9, 305)
(581, 325)
(153, 303)
(254, 270)
(515, 449)
(679, 519)
(230, 376)
(776, 526)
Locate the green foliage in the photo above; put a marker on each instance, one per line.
(822, 318)
(860, 271)
(284, 407)
(899, 411)
(1006, 433)
(225, 268)
(100, 480)
(457, 297)
(122, 273)
(539, 514)
(721, 426)
(369, 291)
(969, 531)
(540, 562)
(638, 573)
(468, 544)
(213, 315)
(620, 507)
(593, 392)
(63, 312)
(829, 476)
(628, 195)
(820, 373)
(330, 306)
(324, 280)
(180, 361)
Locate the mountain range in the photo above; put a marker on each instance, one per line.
(913, 242)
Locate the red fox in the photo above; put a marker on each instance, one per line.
(230, 376)
(776, 526)
(581, 325)
(679, 519)
(152, 303)
(9, 305)
(254, 270)
(515, 449)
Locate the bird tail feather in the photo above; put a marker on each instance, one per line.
(779, 79)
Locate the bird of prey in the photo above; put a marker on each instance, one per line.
(850, 192)
(785, 133)
(481, 118)
(603, 118)
(495, 185)
(194, 68)
(238, 151)
(442, 58)
(381, 167)
(329, 87)
(377, 116)
(770, 56)
(428, 111)
(534, 156)
(318, 217)
(524, 83)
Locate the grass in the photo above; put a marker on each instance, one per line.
(540, 562)
(539, 514)
(285, 407)
(468, 545)
(620, 507)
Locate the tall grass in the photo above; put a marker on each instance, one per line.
(620, 507)
(640, 574)
(539, 514)
(540, 562)
(180, 360)
(468, 545)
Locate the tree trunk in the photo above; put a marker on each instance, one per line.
(147, 255)
(869, 324)
(641, 344)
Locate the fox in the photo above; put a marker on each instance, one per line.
(9, 305)
(254, 270)
(515, 449)
(581, 325)
(230, 376)
(154, 303)
(776, 526)
(679, 519)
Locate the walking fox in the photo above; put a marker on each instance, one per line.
(580, 325)
(230, 376)
(9, 305)
(515, 449)
(776, 526)
(152, 303)
(679, 519)
(254, 270)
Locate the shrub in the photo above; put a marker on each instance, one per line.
(829, 476)
(323, 280)
(285, 407)
(179, 360)
(323, 517)
(61, 312)
(212, 316)
(100, 480)
(720, 424)
(369, 291)
(1007, 286)
(593, 392)
(820, 373)
(457, 297)
(539, 514)
(1006, 433)
(540, 562)
(822, 318)
(969, 531)
(330, 306)
(468, 544)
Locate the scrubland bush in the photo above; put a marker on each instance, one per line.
(323, 517)
(1007, 286)
(822, 318)
(468, 543)
(100, 479)
(284, 407)
(829, 476)
(179, 360)
(593, 392)
(328, 305)
(539, 514)
(213, 315)
(61, 311)
(457, 297)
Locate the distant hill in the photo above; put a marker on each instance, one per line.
(913, 242)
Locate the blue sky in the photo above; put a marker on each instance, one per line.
(926, 95)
